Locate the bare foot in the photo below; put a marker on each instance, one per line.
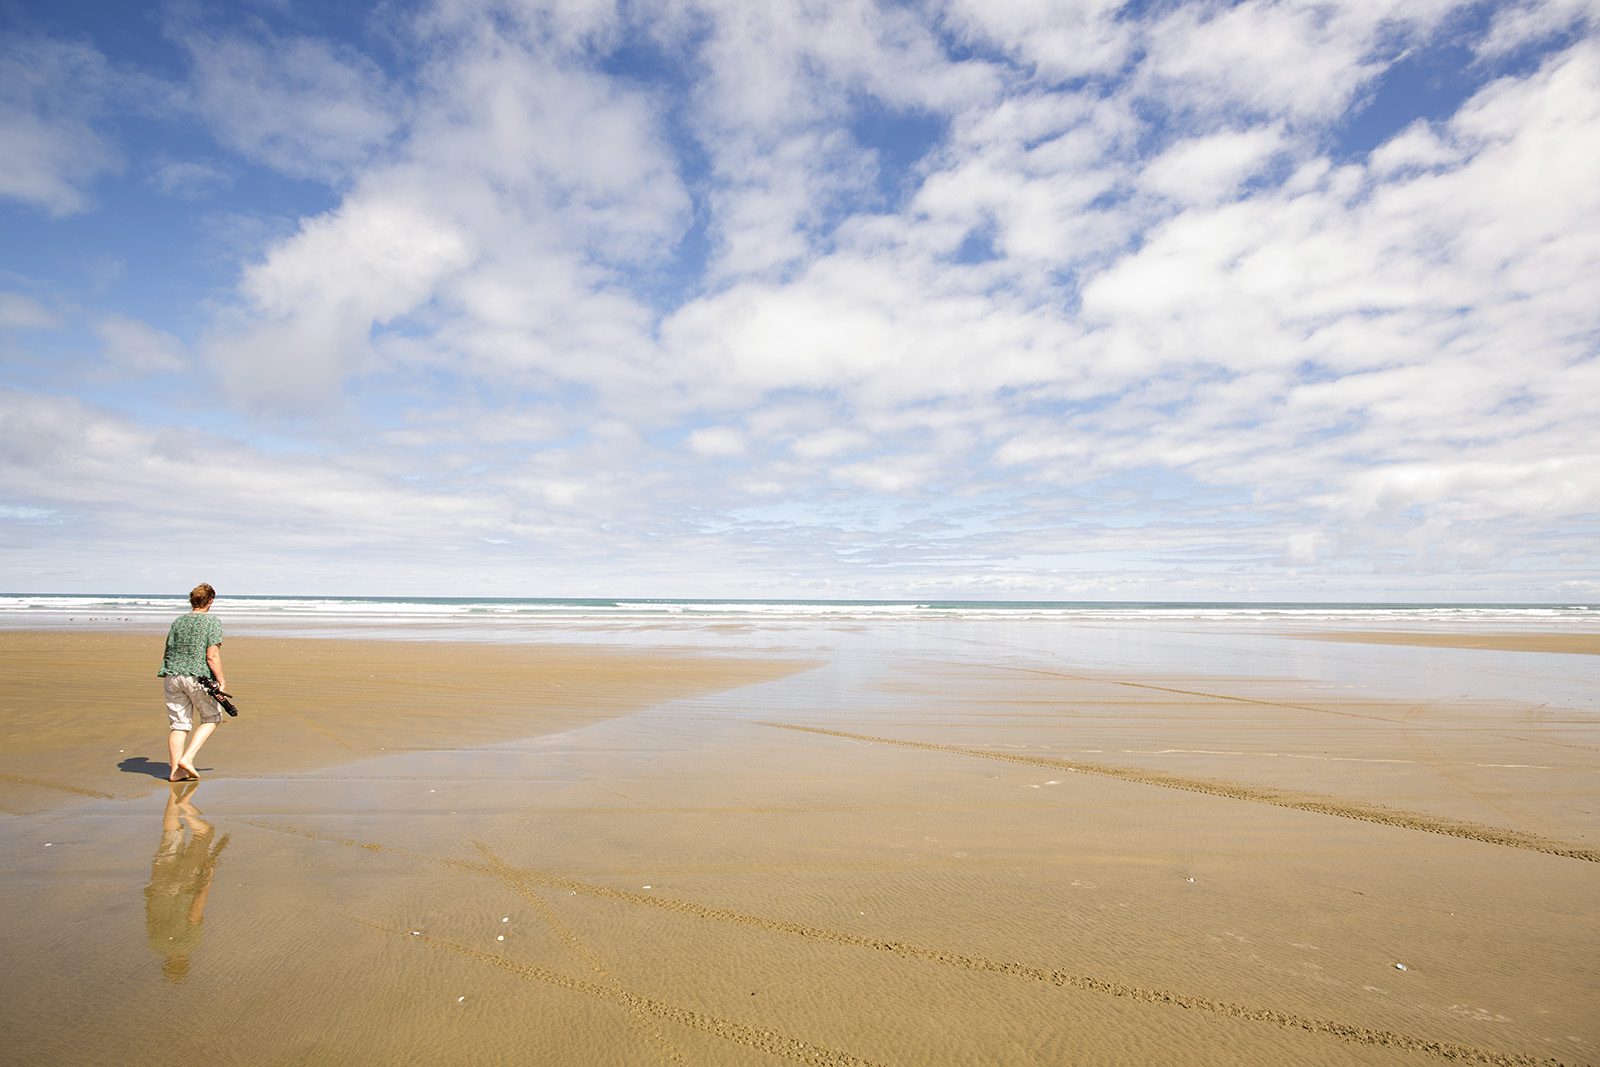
(190, 774)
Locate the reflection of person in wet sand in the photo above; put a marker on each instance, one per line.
(180, 878)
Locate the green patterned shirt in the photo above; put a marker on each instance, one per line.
(187, 642)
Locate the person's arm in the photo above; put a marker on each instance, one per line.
(214, 661)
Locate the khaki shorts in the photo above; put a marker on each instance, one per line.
(185, 697)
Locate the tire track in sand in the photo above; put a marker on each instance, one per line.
(1270, 703)
(641, 1009)
(1353, 1034)
(1258, 794)
(1190, 692)
(642, 1021)
(751, 1037)
(1359, 1035)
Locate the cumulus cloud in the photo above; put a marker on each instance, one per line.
(524, 184)
(311, 305)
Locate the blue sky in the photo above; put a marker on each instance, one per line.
(1006, 299)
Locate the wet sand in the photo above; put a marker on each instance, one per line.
(1586, 644)
(83, 713)
(894, 857)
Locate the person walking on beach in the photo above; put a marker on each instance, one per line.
(194, 651)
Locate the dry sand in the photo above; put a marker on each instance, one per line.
(885, 860)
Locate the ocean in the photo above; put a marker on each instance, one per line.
(17, 609)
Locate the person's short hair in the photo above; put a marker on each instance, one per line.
(201, 595)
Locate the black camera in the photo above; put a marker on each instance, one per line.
(210, 685)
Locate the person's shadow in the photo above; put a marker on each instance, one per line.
(141, 765)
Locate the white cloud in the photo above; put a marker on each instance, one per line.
(311, 304)
(825, 444)
(717, 442)
(1059, 40)
(92, 463)
(1301, 61)
(20, 312)
(378, 256)
(1517, 25)
(51, 94)
(302, 105)
(533, 138)
(1206, 170)
(189, 179)
(1418, 146)
(771, 108)
(569, 24)
(895, 476)
(136, 347)
(524, 183)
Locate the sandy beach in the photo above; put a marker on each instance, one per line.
(74, 698)
(849, 849)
